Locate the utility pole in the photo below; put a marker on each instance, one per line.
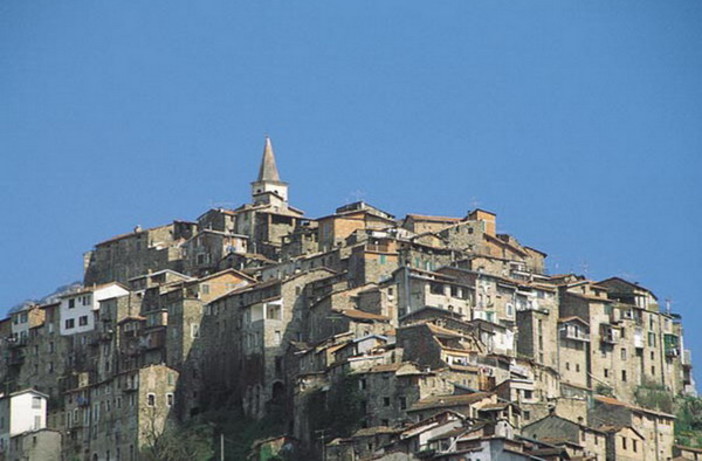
(221, 446)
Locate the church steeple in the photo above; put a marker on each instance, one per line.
(269, 189)
(268, 170)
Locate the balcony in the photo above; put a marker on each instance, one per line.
(672, 345)
(639, 342)
(13, 342)
(575, 334)
(609, 334)
(378, 248)
(16, 358)
(671, 352)
(686, 358)
(130, 387)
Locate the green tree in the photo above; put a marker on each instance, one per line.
(688, 425)
(188, 443)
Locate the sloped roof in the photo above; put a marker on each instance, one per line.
(442, 401)
(268, 170)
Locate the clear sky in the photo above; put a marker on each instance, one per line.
(578, 123)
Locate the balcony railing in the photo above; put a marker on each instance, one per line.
(576, 335)
(609, 334)
(687, 357)
(378, 248)
(672, 352)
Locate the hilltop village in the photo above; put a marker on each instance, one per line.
(365, 336)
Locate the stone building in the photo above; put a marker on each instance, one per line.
(129, 255)
(457, 343)
(654, 427)
(555, 428)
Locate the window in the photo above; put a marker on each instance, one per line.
(383, 259)
(151, 400)
(82, 320)
(403, 403)
(567, 365)
(633, 445)
(70, 323)
(37, 422)
(386, 401)
(273, 312)
(205, 289)
(36, 403)
(169, 399)
(606, 373)
(623, 354)
(577, 367)
(71, 303)
(624, 443)
(623, 375)
(194, 330)
(278, 337)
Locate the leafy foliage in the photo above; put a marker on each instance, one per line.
(605, 390)
(654, 396)
(688, 426)
(188, 443)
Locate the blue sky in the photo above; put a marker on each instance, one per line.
(579, 123)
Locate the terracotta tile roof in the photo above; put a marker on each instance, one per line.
(132, 318)
(370, 431)
(441, 401)
(588, 297)
(504, 243)
(619, 403)
(436, 329)
(422, 217)
(386, 368)
(572, 318)
(361, 315)
(469, 368)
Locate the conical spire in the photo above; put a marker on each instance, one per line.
(268, 170)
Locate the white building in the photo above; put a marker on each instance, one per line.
(78, 309)
(21, 412)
